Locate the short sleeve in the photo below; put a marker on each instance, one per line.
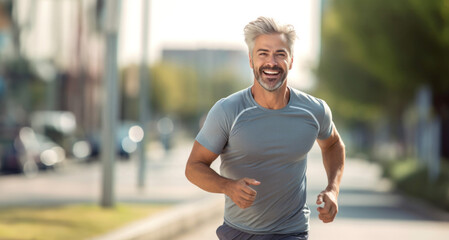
(326, 124)
(215, 131)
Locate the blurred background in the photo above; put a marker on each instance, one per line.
(384, 70)
(382, 66)
(180, 61)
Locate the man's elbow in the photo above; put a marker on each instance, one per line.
(188, 172)
(191, 170)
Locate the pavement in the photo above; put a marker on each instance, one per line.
(369, 208)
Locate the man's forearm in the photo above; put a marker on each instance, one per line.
(334, 161)
(205, 177)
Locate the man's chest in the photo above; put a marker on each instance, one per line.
(261, 134)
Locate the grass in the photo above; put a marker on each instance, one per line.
(412, 178)
(69, 222)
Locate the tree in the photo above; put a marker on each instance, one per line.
(376, 54)
(174, 90)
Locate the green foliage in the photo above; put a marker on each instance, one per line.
(224, 83)
(174, 90)
(38, 92)
(23, 85)
(412, 178)
(18, 71)
(179, 91)
(375, 54)
(182, 91)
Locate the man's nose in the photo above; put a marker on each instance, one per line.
(271, 61)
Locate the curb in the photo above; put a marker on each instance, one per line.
(170, 223)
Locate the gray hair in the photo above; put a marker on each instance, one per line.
(266, 25)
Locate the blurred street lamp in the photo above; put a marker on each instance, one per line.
(111, 102)
(143, 96)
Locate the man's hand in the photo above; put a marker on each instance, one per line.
(240, 192)
(330, 209)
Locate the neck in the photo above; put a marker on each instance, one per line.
(271, 100)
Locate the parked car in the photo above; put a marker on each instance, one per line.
(27, 152)
(127, 136)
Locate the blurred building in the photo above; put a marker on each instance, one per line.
(209, 61)
(61, 43)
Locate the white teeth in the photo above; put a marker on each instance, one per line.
(269, 72)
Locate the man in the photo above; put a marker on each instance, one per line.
(263, 134)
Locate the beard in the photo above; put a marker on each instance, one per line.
(273, 83)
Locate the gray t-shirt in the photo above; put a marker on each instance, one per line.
(270, 146)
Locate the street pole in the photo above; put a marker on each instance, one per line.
(143, 97)
(111, 103)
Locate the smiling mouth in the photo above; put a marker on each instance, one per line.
(271, 72)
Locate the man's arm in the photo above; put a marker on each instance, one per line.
(333, 152)
(199, 172)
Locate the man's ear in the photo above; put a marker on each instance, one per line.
(250, 61)
(291, 64)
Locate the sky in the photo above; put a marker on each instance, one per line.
(217, 24)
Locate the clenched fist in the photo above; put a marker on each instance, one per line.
(330, 209)
(240, 191)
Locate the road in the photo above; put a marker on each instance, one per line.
(368, 209)
(81, 182)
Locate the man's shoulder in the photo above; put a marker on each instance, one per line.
(303, 99)
(227, 109)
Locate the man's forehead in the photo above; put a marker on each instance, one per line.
(271, 42)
